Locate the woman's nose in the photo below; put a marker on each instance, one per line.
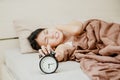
(50, 35)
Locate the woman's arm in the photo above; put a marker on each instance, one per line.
(63, 51)
(74, 28)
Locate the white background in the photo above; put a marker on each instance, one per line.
(54, 12)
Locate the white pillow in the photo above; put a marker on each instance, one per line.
(23, 30)
(25, 27)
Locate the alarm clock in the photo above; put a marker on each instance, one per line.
(48, 64)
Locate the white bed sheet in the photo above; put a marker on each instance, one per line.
(26, 67)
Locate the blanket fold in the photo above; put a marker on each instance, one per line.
(98, 50)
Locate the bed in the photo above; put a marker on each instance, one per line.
(25, 67)
(19, 64)
(22, 63)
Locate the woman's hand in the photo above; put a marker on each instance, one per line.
(63, 52)
(45, 50)
(59, 54)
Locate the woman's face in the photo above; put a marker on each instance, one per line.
(53, 37)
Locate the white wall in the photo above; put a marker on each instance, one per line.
(54, 11)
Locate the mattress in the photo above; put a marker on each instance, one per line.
(26, 67)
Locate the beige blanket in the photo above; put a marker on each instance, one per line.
(98, 50)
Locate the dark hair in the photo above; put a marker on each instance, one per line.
(32, 38)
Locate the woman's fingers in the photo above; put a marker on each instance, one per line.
(45, 50)
(49, 48)
(41, 52)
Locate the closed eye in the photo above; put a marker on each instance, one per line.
(46, 40)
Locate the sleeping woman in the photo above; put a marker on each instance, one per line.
(55, 39)
(93, 37)
(94, 43)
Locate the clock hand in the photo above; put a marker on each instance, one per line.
(48, 66)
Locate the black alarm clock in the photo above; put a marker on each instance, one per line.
(48, 64)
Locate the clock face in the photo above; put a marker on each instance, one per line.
(48, 64)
